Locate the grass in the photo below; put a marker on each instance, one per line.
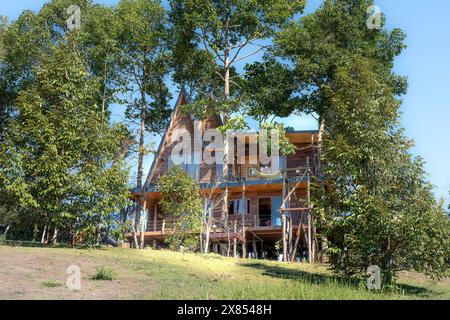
(191, 276)
(52, 284)
(154, 274)
(104, 274)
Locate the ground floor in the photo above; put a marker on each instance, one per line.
(255, 222)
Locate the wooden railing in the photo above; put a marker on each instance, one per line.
(233, 224)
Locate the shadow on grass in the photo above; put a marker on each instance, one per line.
(419, 292)
(299, 275)
(321, 279)
(34, 244)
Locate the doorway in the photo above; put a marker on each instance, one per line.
(265, 212)
(269, 216)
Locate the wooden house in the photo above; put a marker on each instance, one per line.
(256, 214)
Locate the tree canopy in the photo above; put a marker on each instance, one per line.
(60, 156)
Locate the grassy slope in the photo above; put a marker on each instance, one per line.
(150, 274)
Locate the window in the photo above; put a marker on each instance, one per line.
(237, 207)
(251, 172)
(282, 162)
(219, 170)
(192, 169)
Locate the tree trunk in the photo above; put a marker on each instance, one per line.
(55, 236)
(226, 78)
(244, 243)
(208, 228)
(207, 238)
(143, 223)
(320, 145)
(6, 231)
(309, 239)
(255, 249)
(43, 234)
(35, 232)
(141, 141)
(283, 239)
(133, 226)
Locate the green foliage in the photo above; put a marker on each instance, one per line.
(373, 202)
(268, 90)
(210, 37)
(286, 147)
(327, 38)
(378, 208)
(236, 123)
(180, 199)
(61, 157)
(142, 60)
(104, 274)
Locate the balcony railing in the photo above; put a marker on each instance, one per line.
(234, 223)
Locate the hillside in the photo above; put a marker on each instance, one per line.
(40, 273)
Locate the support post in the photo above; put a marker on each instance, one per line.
(235, 239)
(155, 216)
(297, 239)
(244, 240)
(309, 239)
(310, 258)
(244, 243)
(255, 249)
(283, 218)
(143, 223)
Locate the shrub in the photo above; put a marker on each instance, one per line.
(52, 284)
(104, 274)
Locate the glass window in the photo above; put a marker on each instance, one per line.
(192, 170)
(219, 170)
(237, 207)
(276, 205)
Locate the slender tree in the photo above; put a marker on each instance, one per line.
(142, 41)
(227, 32)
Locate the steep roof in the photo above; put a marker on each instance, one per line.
(183, 99)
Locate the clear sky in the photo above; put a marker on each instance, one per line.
(426, 112)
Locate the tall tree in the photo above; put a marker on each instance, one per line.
(60, 156)
(325, 39)
(25, 43)
(378, 208)
(372, 199)
(143, 66)
(227, 32)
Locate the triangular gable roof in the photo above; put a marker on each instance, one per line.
(182, 97)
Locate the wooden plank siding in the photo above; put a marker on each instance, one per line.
(160, 225)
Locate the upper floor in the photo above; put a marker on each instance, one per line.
(199, 148)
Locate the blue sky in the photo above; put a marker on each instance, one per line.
(426, 112)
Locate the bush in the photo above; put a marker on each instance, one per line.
(104, 274)
(2, 240)
(51, 284)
